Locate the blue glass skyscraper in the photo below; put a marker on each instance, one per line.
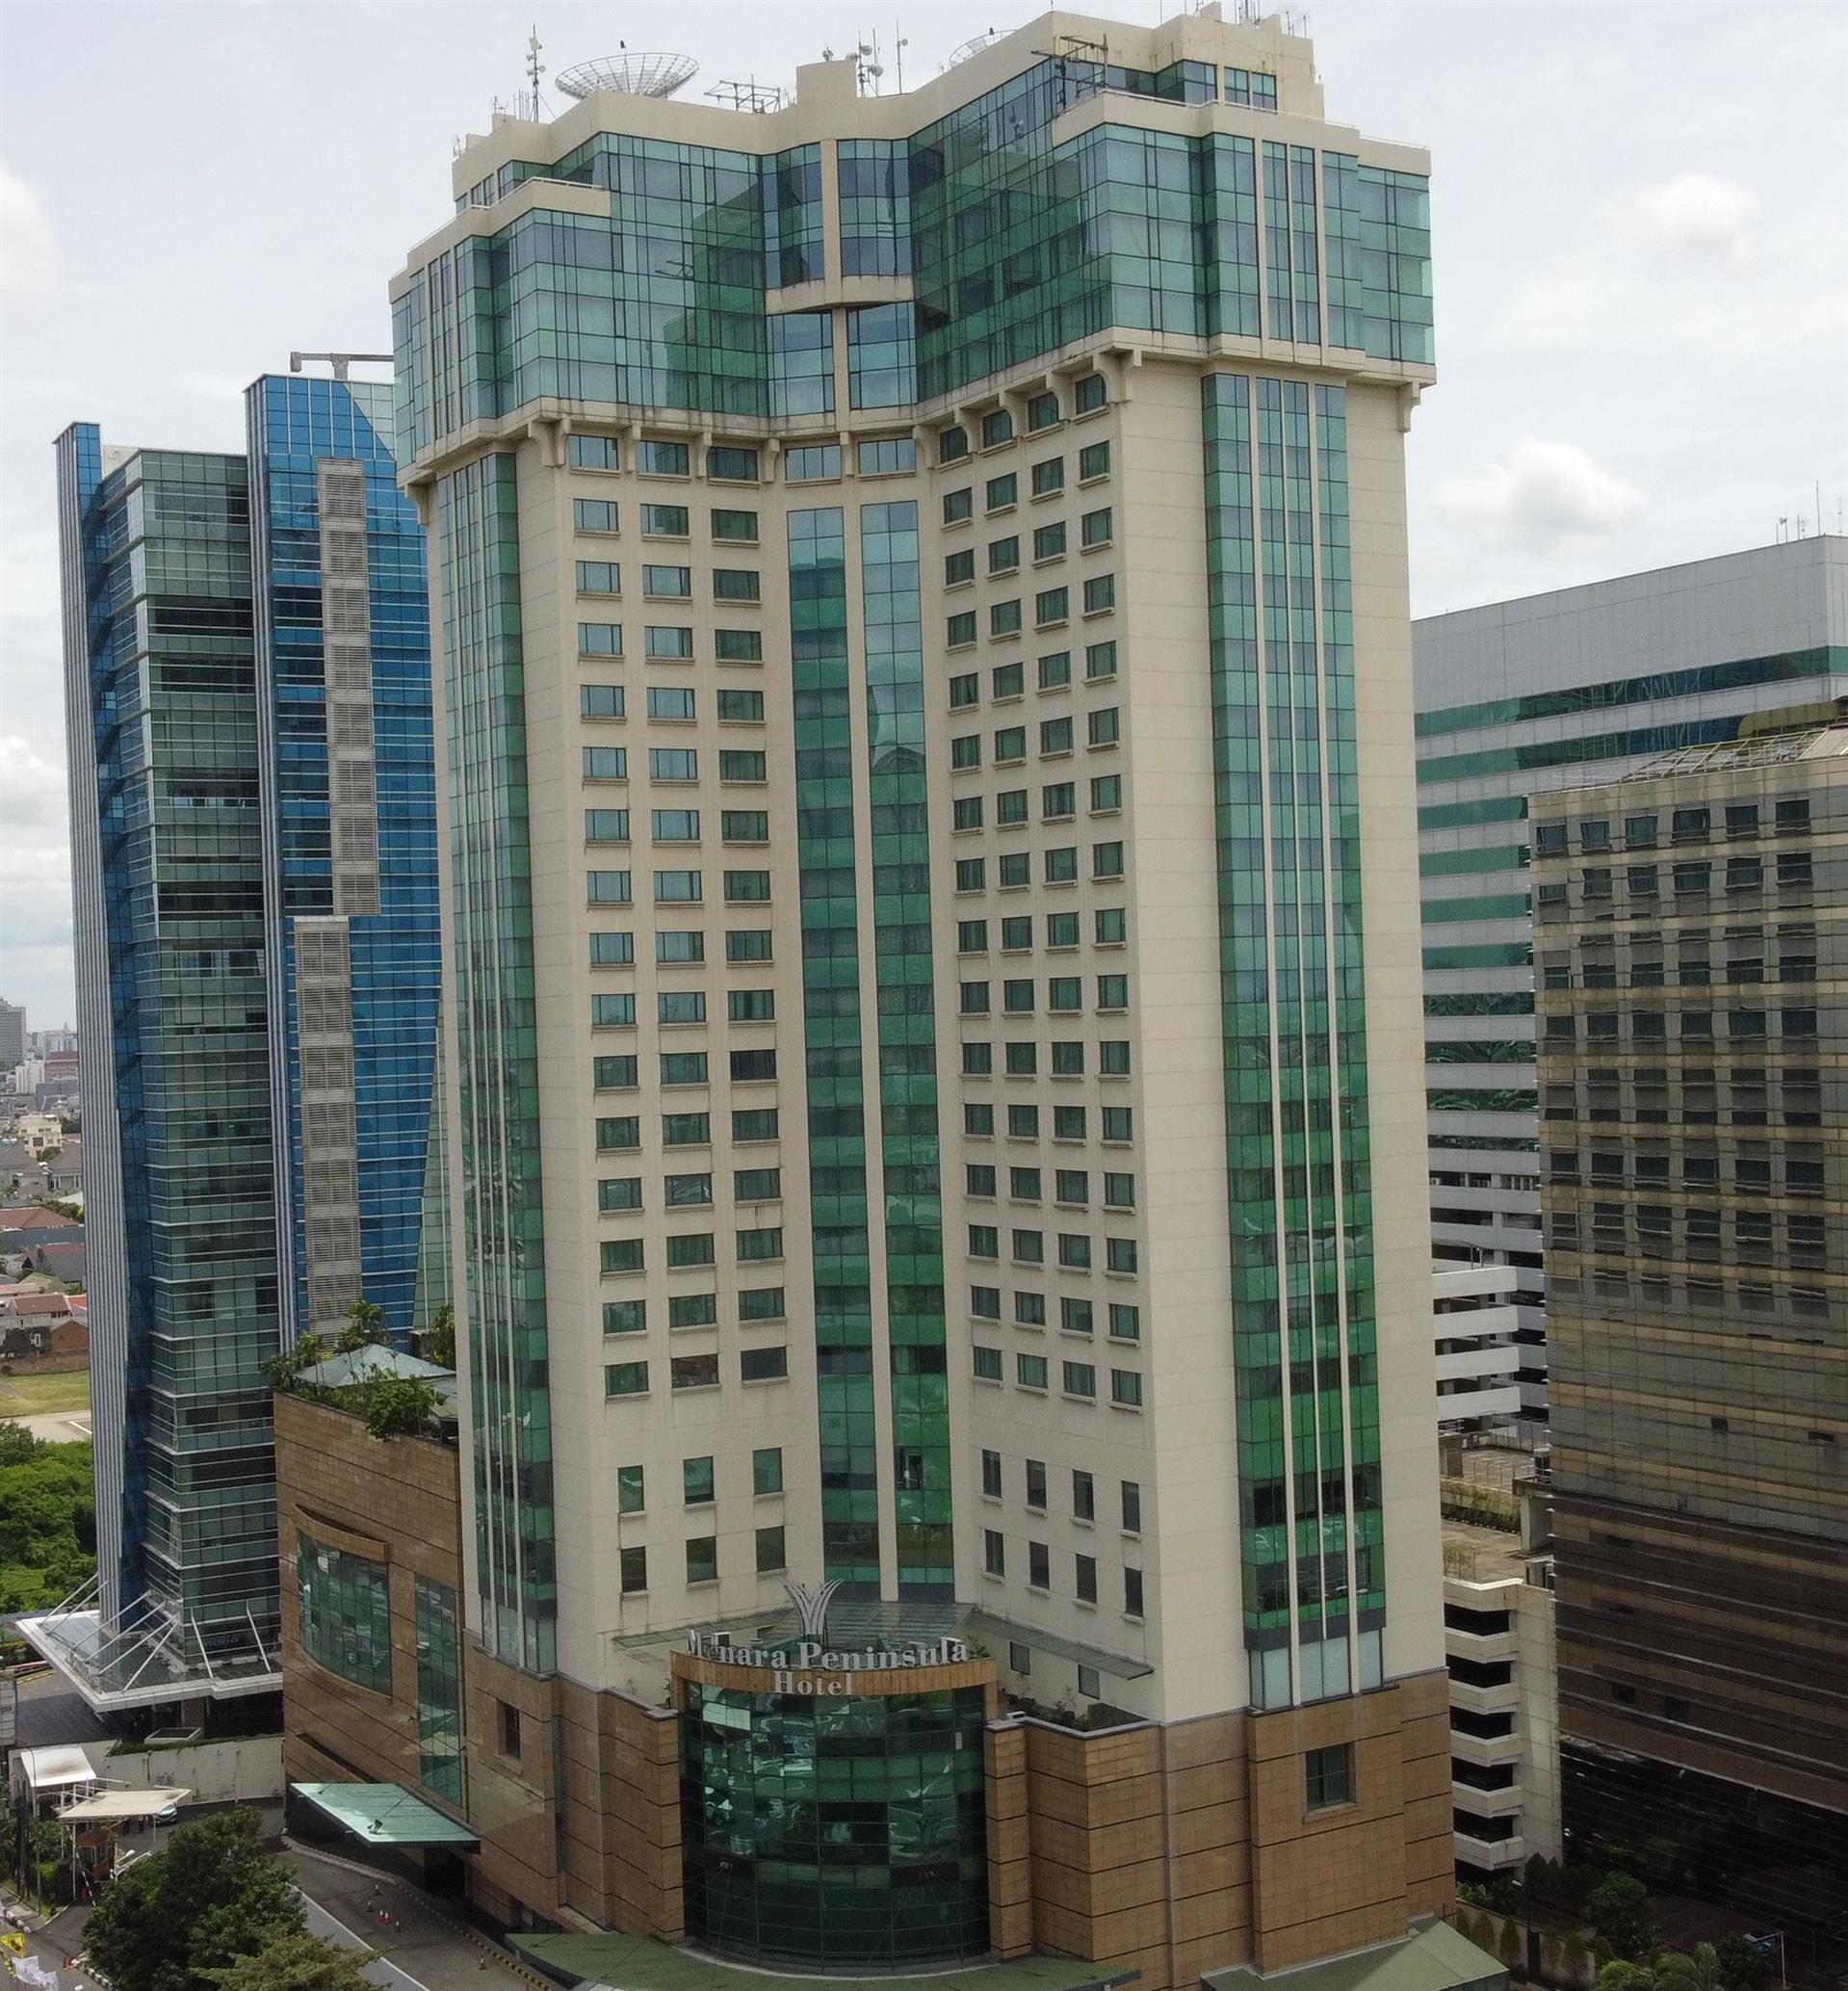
(248, 684)
(350, 850)
(168, 870)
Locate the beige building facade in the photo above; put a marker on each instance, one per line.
(920, 592)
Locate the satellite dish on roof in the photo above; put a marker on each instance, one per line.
(649, 74)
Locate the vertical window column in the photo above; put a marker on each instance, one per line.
(832, 1047)
(497, 1067)
(894, 624)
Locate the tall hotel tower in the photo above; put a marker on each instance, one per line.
(247, 662)
(925, 708)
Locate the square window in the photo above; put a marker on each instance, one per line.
(1329, 1776)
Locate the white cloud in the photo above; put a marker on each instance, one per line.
(1539, 498)
(29, 253)
(32, 788)
(1698, 211)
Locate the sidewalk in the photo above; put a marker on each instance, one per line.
(429, 1949)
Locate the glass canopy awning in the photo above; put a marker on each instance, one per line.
(386, 1815)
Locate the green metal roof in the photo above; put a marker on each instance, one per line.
(1433, 1958)
(636, 1963)
(385, 1815)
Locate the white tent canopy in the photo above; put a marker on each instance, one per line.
(104, 1805)
(53, 1768)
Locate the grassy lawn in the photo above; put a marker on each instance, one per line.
(38, 1396)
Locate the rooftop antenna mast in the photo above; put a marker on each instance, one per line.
(750, 96)
(532, 105)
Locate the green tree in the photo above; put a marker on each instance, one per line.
(365, 1326)
(1697, 1972)
(400, 1405)
(211, 1894)
(47, 1520)
(1624, 1977)
(439, 1341)
(1619, 1909)
(293, 1962)
(1742, 1968)
(17, 1443)
(284, 1370)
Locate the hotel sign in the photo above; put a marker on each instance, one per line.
(814, 1653)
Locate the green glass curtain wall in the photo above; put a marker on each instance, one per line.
(832, 1045)
(897, 787)
(1295, 1047)
(497, 1067)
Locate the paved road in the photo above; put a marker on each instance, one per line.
(57, 1426)
(429, 1951)
(421, 1949)
(52, 1711)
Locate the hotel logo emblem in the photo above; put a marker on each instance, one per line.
(811, 1602)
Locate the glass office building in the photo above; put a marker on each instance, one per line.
(1691, 935)
(924, 685)
(1519, 699)
(161, 691)
(350, 827)
(247, 680)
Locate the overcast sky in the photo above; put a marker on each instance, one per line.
(1640, 210)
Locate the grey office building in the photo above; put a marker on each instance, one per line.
(13, 1035)
(1524, 697)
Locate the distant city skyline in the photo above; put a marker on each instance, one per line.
(1603, 409)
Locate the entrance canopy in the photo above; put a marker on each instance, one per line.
(385, 1815)
(118, 1805)
(57, 1767)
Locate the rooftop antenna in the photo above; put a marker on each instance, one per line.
(974, 45)
(633, 72)
(869, 67)
(751, 95)
(899, 44)
(533, 106)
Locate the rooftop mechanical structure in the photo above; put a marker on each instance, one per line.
(651, 74)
